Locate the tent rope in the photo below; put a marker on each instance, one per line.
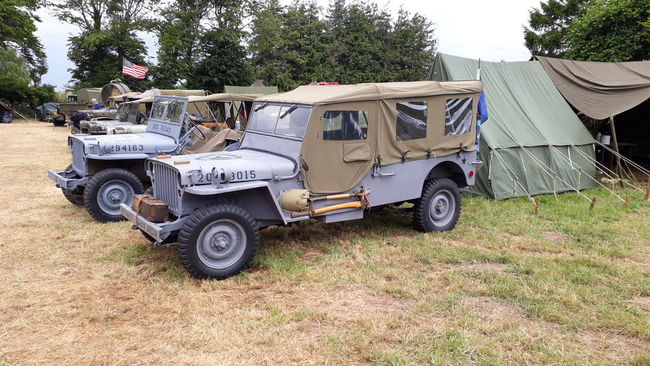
(553, 148)
(604, 170)
(627, 160)
(543, 166)
(507, 168)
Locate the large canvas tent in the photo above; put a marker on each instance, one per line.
(532, 143)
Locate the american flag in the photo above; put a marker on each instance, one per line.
(131, 69)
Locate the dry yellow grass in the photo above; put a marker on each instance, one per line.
(74, 292)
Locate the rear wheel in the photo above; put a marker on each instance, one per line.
(218, 242)
(438, 208)
(108, 189)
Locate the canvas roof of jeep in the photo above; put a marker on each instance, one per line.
(331, 94)
(225, 97)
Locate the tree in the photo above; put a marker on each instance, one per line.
(14, 78)
(222, 62)
(548, 26)
(267, 58)
(179, 32)
(17, 32)
(610, 30)
(107, 35)
(303, 44)
(412, 47)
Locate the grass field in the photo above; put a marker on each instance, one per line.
(567, 287)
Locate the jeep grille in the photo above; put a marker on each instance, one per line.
(78, 162)
(166, 186)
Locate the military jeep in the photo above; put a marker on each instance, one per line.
(108, 170)
(322, 152)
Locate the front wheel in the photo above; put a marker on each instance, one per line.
(438, 208)
(108, 189)
(218, 242)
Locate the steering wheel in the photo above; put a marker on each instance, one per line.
(196, 131)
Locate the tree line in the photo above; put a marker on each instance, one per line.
(209, 44)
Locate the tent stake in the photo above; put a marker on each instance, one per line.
(647, 195)
(538, 204)
(593, 203)
(627, 202)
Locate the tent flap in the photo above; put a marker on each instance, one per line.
(600, 89)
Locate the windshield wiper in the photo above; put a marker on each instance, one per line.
(261, 107)
(291, 109)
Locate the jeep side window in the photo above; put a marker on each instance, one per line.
(345, 125)
(458, 116)
(411, 120)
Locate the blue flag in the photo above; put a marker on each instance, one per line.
(482, 112)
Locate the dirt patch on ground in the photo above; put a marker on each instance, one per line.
(489, 310)
(642, 302)
(484, 267)
(556, 237)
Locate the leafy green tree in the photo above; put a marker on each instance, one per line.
(14, 78)
(17, 31)
(412, 47)
(303, 44)
(548, 26)
(179, 31)
(268, 59)
(610, 30)
(222, 62)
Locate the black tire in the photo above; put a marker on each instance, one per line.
(76, 196)
(106, 190)
(216, 260)
(58, 123)
(439, 206)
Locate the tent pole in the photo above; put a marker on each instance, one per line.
(618, 168)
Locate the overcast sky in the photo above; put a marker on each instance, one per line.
(490, 30)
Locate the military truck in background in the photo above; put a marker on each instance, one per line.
(322, 152)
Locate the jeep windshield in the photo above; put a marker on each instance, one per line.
(286, 120)
(167, 110)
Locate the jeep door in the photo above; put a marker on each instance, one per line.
(339, 146)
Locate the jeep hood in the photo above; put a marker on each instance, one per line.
(136, 144)
(229, 166)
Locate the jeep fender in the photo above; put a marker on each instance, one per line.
(255, 196)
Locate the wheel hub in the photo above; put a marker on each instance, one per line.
(112, 194)
(221, 243)
(442, 207)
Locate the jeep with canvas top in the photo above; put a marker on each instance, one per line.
(322, 152)
(108, 170)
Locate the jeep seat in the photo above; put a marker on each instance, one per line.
(214, 141)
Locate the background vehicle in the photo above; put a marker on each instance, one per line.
(323, 152)
(109, 170)
(49, 112)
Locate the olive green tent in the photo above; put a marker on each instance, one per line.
(532, 143)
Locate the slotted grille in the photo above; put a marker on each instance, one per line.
(166, 187)
(78, 162)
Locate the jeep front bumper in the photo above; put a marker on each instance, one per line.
(158, 231)
(67, 180)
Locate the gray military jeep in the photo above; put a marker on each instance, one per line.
(322, 152)
(108, 170)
